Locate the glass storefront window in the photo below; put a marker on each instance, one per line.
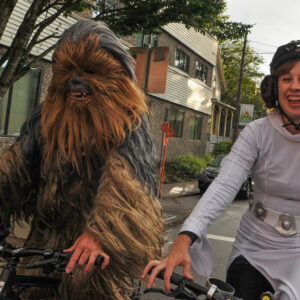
(175, 118)
(195, 128)
(18, 102)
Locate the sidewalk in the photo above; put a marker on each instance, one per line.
(176, 211)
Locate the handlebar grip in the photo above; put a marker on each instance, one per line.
(175, 278)
(53, 260)
(98, 262)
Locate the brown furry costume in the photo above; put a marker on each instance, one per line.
(84, 162)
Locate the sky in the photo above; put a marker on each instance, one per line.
(276, 23)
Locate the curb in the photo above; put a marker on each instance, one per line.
(178, 220)
(174, 190)
(166, 197)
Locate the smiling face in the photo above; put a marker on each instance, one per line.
(289, 92)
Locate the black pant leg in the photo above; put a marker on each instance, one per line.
(248, 282)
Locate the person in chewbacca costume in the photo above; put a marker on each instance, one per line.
(83, 169)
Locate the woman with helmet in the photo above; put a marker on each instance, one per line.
(266, 252)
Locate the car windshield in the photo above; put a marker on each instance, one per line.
(217, 162)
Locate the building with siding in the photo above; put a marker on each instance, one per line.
(28, 91)
(194, 82)
(195, 79)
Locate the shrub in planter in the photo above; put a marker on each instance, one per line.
(223, 148)
(189, 165)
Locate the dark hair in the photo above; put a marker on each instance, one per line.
(268, 86)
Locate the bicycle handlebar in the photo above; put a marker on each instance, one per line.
(178, 279)
(51, 257)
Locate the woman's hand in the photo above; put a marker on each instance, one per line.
(85, 251)
(179, 256)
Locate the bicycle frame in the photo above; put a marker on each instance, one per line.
(10, 279)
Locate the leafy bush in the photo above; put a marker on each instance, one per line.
(223, 148)
(186, 167)
(209, 157)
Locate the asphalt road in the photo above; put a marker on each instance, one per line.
(221, 235)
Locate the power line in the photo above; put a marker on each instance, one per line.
(260, 52)
(263, 44)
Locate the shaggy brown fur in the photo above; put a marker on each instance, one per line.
(98, 125)
(87, 167)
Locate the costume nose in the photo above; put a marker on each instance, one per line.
(76, 80)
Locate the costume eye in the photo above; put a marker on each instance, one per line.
(89, 71)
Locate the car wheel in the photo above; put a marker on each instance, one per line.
(246, 194)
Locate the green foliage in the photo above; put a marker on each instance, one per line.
(209, 157)
(223, 148)
(148, 16)
(186, 167)
(231, 54)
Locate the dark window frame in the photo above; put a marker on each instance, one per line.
(9, 103)
(222, 122)
(201, 72)
(215, 119)
(195, 134)
(143, 40)
(228, 123)
(176, 125)
(182, 60)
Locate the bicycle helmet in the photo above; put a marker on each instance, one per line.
(284, 53)
(268, 87)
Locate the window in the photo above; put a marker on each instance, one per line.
(109, 5)
(182, 60)
(215, 118)
(228, 123)
(143, 40)
(195, 128)
(175, 119)
(201, 72)
(222, 123)
(18, 102)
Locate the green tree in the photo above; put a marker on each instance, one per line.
(125, 18)
(133, 16)
(231, 54)
(39, 15)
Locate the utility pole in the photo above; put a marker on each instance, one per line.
(238, 98)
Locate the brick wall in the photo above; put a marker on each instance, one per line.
(176, 145)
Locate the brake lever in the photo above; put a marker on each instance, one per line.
(49, 264)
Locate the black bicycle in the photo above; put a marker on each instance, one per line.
(12, 284)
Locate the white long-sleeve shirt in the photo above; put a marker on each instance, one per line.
(273, 154)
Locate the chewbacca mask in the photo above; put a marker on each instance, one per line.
(84, 162)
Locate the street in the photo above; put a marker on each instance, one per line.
(221, 236)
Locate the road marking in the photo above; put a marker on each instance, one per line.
(241, 206)
(221, 238)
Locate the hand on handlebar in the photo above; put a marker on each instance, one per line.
(179, 256)
(85, 251)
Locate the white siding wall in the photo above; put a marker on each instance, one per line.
(181, 89)
(185, 91)
(204, 45)
(58, 26)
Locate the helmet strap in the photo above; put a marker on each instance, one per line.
(291, 122)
